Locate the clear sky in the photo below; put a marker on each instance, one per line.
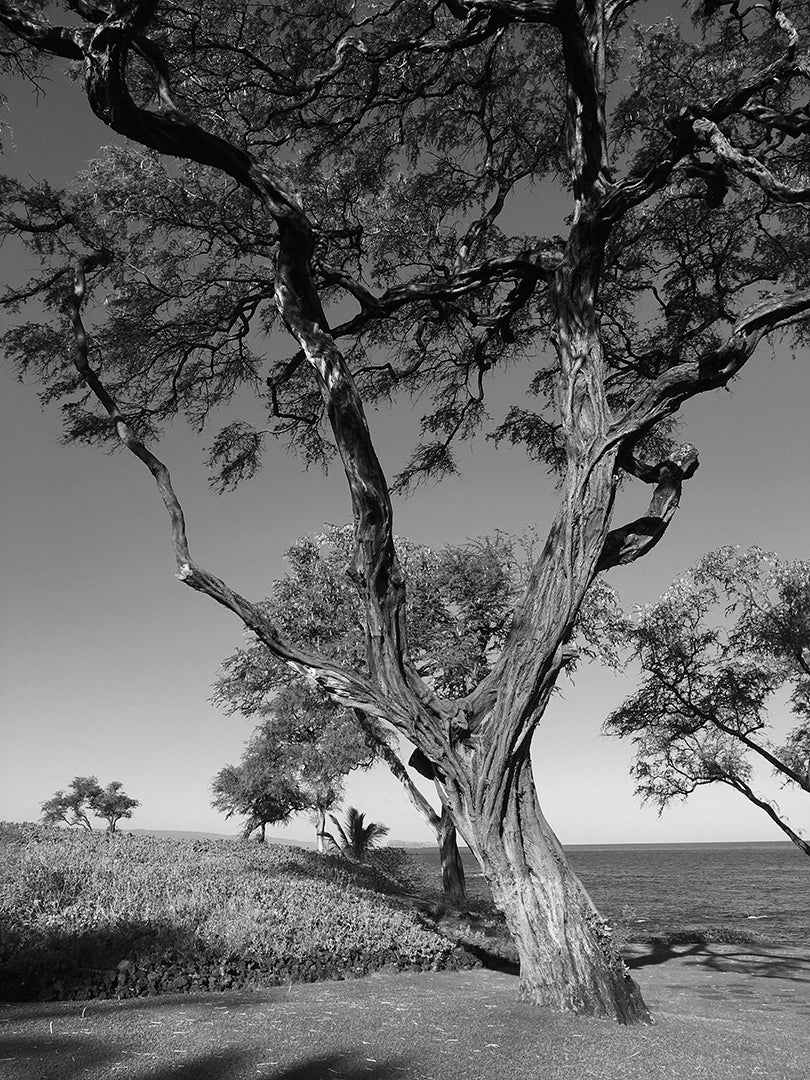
(107, 661)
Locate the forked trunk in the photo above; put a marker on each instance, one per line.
(567, 957)
(454, 886)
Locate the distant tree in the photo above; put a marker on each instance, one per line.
(356, 838)
(84, 795)
(296, 760)
(254, 789)
(714, 650)
(320, 743)
(112, 804)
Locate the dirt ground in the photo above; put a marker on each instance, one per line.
(721, 1012)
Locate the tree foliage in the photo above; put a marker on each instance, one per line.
(460, 602)
(296, 760)
(716, 650)
(349, 176)
(85, 796)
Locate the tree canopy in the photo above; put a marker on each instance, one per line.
(297, 759)
(352, 176)
(715, 651)
(84, 796)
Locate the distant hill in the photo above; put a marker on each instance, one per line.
(182, 834)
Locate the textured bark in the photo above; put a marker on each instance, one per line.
(320, 830)
(567, 957)
(454, 885)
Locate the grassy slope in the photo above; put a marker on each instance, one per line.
(82, 915)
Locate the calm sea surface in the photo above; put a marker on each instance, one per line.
(762, 888)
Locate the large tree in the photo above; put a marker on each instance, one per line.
(332, 156)
(715, 650)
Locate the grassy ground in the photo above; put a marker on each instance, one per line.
(192, 915)
(722, 1013)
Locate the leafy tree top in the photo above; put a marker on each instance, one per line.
(714, 651)
(86, 795)
(412, 135)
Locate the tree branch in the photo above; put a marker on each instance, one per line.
(391, 759)
(341, 683)
(68, 42)
(772, 813)
(749, 166)
(641, 183)
(714, 369)
(375, 566)
(631, 541)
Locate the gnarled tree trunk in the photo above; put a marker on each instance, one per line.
(567, 957)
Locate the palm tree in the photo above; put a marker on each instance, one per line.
(356, 839)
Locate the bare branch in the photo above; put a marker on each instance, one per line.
(714, 369)
(772, 813)
(631, 541)
(340, 683)
(749, 166)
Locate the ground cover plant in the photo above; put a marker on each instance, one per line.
(83, 915)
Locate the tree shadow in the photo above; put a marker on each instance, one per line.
(71, 1057)
(236, 1064)
(493, 960)
(661, 950)
(759, 962)
(65, 1055)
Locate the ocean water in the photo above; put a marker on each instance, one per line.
(763, 888)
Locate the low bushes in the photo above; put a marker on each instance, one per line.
(82, 915)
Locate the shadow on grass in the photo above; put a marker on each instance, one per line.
(60, 1057)
(68, 1057)
(337, 870)
(756, 961)
(493, 960)
(236, 1064)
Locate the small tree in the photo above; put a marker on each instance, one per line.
(356, 838)
(255, 790)
(112, 804)
(714, 650)
(84, 795)
(296, 760)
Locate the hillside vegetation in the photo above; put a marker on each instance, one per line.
(83, 915)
